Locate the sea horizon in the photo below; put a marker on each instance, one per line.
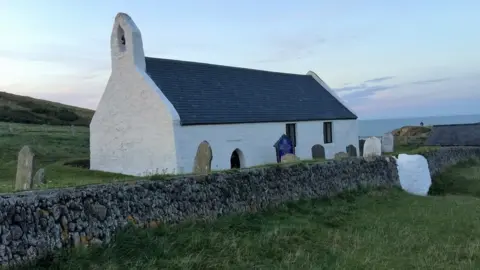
(379, 126)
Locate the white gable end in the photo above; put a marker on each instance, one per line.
(132, 129)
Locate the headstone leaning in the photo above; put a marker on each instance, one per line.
(39, 177)
(25, 169)
(372, 147)
(318, 151)
(361, 143)
(387, 143)
(351, 150)
(203, 159)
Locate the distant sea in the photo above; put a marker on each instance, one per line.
(378, 127)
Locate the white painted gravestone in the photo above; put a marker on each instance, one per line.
(25, 169)
(372, 147)
(387, 143)
(414, 174)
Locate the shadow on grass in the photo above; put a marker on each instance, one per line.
(460, 179)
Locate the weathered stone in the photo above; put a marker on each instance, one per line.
(39, 177)
(341, 155)
(99, 211)
(372, 147)
(76, 239)
(96, 242)
(25, 169)
(16, 231)
(318, 151)
(388, 143)
(203, 159)
(289, 158)
(361, 143)
(351, 150)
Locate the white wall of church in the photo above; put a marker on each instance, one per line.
(255, 141)
(137, 131)
(132, 129)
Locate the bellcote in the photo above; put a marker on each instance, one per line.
(126, 43)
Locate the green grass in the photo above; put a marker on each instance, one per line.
(463, 179)
(53, 145)
(378, 229)
(23, 109)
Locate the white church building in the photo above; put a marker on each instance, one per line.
(155, 112)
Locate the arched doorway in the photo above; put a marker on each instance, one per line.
(236, 159)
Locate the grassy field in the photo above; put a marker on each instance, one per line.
(379, 229)
(53, 145)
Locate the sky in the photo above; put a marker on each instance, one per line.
(386, 59)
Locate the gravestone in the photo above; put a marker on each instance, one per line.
(318, 151)
(72, 129)
(361, 143)
(341, 155)
(39, 177)
(25, 169)
(289, 158)
(372, 147)
(387, 143)
(283, 146)
(351, 150)
(10, 128)
(203, 159)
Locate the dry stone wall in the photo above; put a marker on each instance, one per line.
(442, 158)
(38, 222)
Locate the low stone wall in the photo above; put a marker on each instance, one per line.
(37, 222)
(440, 159)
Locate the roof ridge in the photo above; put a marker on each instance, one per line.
(226, 66)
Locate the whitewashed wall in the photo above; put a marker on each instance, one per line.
(256, 141)
(132, 129)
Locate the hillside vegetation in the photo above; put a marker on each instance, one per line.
(22, 109)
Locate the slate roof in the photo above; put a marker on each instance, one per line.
(454, 135)
(214, 94)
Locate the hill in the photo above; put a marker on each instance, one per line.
(412, 131)
(28, 110)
